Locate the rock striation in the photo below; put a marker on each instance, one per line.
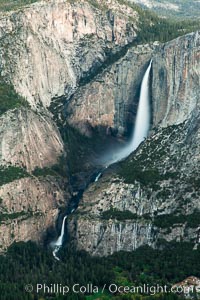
(77, 60)
(29, 140)
(175, 80)
(152, 197)
(47, 48)
(28, 207)
(110, 100)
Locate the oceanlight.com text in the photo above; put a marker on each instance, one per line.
(56, 288)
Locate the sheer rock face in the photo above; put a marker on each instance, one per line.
(54, 49)
(110, 100)
(29, 140)
(176, 80)
(28, 207)
(91, 232)
(114, 215)
(157, 201)
(48, 47)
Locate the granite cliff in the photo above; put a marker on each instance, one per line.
(77, 64)
(61, 41)
(47, 51)
(175, 80)
(29, 140)
(153, 196)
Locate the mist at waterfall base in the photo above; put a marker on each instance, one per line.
(142, 125)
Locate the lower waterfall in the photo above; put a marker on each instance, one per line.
(56, 245)
(141, 130)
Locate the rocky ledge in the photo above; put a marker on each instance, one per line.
(152, 197)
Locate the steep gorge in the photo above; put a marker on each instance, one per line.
(56, 55)
(47, 50)
(152, 197)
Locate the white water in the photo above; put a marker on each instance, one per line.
(56, 245)
(98, 176)
(141, 130)
(142, 123)
(100, 173)
(143, 117)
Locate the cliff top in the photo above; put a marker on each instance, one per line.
(117, 5)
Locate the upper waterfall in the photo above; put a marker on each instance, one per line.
(143, 118)
(141, 129)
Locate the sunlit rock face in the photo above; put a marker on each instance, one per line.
(29, 140)
(47, 48)
(154, 195)
(55, 50)
(110, 99)
(28, 207)
(176, 83)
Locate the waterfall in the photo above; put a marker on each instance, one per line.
(142, 123)
(100, 173)
(57, 245)
(143, 116)
(98, 176)
(141, 129)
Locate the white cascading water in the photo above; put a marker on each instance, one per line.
(141, 130)
(143, 116)
(142, 122)
(57, 245)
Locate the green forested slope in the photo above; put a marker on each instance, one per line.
(6, 5)
(27, 263)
